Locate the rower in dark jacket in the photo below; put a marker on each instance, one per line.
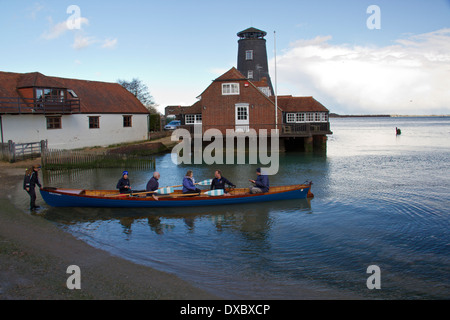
(30, 181)
(261, 183)
(124, 183)
(219, 181)
(153, 184)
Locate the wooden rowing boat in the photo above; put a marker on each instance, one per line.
(60, 197)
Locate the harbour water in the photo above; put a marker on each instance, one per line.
(380, 199)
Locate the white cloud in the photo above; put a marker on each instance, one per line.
(34, 10)
(57, 30)
(81, 42)
(409, 77)
(80, 39)
(109, 43)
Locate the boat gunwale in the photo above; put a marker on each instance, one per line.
(290, 188)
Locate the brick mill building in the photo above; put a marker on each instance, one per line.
(244, 99)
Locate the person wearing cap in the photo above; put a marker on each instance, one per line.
(261, 183)
(124, 183)
(30, 181)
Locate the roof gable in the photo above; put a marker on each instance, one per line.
(235, 75)
(232, 74)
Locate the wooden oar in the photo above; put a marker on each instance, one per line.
(206, 182)
(217, 192)
(161, 191)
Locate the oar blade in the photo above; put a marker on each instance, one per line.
(205, 182)
(165, 190)
(217, 192)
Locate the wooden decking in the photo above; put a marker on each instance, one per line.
(19, 105)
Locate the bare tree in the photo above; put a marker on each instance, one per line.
(140, 91)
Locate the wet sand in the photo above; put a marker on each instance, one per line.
(35, 254)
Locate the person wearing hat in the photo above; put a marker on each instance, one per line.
(124, 183)
(261, 183)
(30, 181)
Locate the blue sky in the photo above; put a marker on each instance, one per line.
(324, 48)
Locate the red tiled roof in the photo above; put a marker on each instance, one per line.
(299, 104)
(37, 79)
(196, 108)
(232, 74)
(8, 84)
(104, 97)
(95, 96)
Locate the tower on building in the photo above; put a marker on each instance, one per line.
(252, 57)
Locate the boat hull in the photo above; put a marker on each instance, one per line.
(56, 197)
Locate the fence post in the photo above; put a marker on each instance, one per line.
(44, 152)
(12, 151)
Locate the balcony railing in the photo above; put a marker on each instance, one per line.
(306, 129)
(42, 106)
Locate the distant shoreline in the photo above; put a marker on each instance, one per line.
(335, 115)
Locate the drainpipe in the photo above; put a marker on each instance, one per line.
(276, 89)
(1, 127)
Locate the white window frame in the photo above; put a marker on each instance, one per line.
(302, 117)
(290, 118)
(193, 119)
(265, 90)
(230, 89)
(317, 117)
(242, 117)
(250, 74)
(249, 55)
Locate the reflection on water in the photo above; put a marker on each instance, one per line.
(379, 199)
(162, 220)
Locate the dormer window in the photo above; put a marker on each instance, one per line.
(72, 93)
(230, 88)
(51, 95)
